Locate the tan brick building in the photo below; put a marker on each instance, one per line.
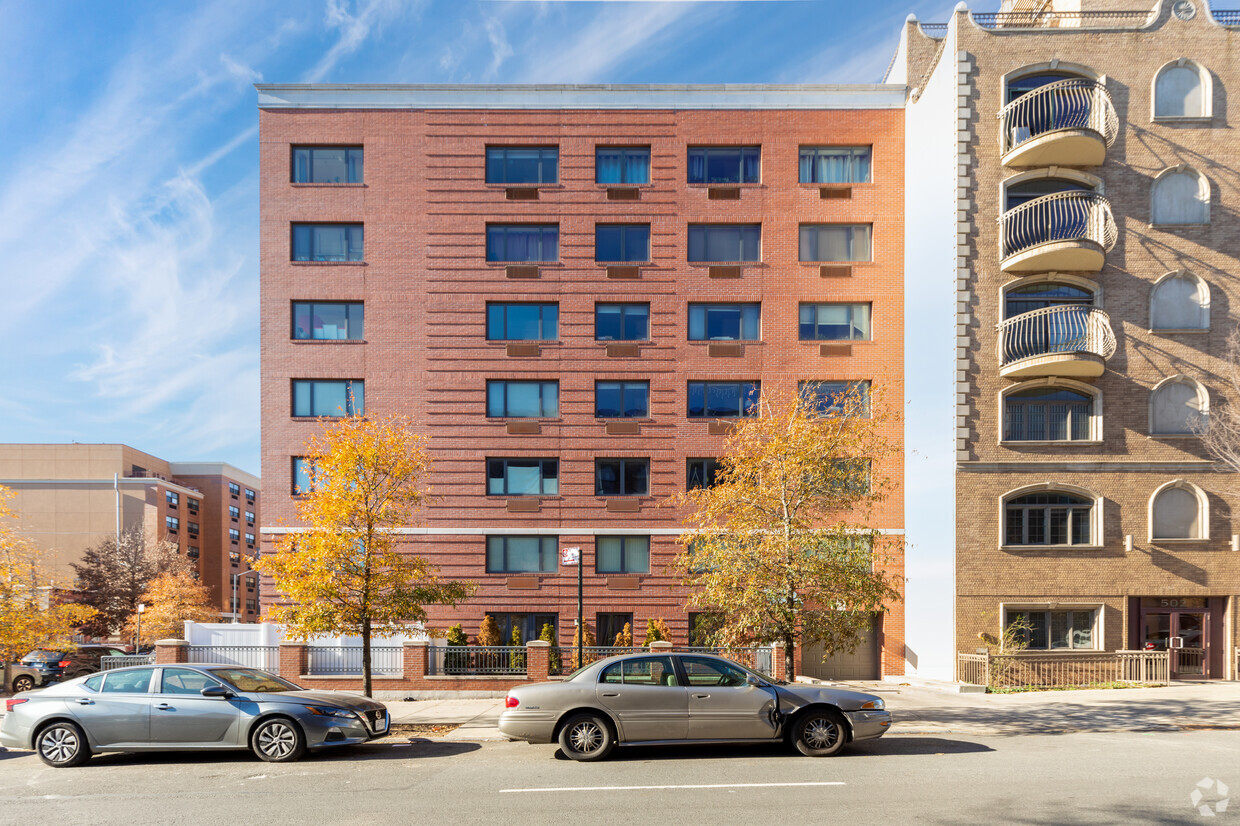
(568, 288)
(1092, 155)
(70, 497)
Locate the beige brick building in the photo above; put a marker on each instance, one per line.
(1092, 233)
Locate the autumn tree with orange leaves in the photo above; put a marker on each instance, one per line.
(170, 599)
(343, 571)
(781, 547)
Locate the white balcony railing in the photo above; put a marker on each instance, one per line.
(1061, 216)
(1072, 104)
(1069, 329)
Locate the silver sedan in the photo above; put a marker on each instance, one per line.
(174, 707)
(654, 699)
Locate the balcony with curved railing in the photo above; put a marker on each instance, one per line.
(1069, 340)
(1068, 122)
(1061, 232)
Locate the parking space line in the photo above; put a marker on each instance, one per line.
(658, 788)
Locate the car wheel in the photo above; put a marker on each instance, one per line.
(23, 683)
(586, 737)
(820, 733)
(62, 745)
(278, 740)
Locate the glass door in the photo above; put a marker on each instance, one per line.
(1189, 659)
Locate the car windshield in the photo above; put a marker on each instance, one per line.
(253, 680)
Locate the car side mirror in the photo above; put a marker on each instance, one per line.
(216, 691)
(753, 681)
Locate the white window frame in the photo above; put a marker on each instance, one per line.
(1203, 193)
(1207, 92)
(1203, 512)
(1099, 629)
(1095, 520)
(1203, 287)
(1203, 406)
(1095, 419)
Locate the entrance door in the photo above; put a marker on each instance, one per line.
(1184, 632)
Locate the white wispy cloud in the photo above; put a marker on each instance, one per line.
(239, 71)
(501, 50)
(354, 27)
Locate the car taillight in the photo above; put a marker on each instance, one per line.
(63, 663)
(9, 704)
(511, 702)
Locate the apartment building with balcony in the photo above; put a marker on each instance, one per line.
(574, 290)
(69, 497)
(1078, 173)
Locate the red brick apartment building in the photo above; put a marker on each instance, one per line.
(571, 289)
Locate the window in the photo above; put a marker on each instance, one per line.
(249, 517)
(327, 165)
(192, 552)
(837, 398)
(234, 512)
(724, 242)
(249, 495)
(172, 498)
(701, 626)
(249, 539)
(622, 242)
(234, 535)
(622, 322)
(192, 504)
(835, 322)
(523, 322)
(234, 490)
(192, 527)
(137, 681)
(529, 625)
(327, 321)
(249, 583)
(651, 671)
(523, 477)
(172, 524)
(621, 477)
(1182, 89)
(622, 555)
(523, 242)
(251, 605)
(235, 558)
(724, 164)
(1178, 510)
(724, 322)
(622, 164)
(327, 242)
(1047, 414)
(523, 399)
(1179, 406)
(1180, 301)
(303, 475)
(850, 476)
(700, 671)
(184, 681)
(333, 398)
(723, 399)
(1043, 630)
(522, 554)
(835, 164)
(523, 164)
(700, 473)
(836, 242)
(622, 399)
(1048, 518)
(1180, 196)
(610, 626)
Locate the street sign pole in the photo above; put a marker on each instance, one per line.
(573, 556)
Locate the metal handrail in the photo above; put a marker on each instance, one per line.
(1060, 216)
(1074, 103)
(1047, 19)
(1070, 328)
(1226, 17)
(935, 30)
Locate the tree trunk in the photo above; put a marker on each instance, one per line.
(789, 658)
(366, 688)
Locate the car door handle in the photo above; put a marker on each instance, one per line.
(82, 701)
(611, 694)
(700, 696)
(164, 707)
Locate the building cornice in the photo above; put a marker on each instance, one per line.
(1093, 466)
(124, 481)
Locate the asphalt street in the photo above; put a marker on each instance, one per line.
(1112, 777)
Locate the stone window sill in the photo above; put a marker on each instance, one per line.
(1042, 548)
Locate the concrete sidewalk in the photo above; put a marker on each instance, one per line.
(925, 711)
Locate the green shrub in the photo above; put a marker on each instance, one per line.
(548, 635)
(517, 660)
(656, 631)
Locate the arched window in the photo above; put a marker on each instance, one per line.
(1180, 301)
(1178, 510)
(1047, 414)
(1180, 196)
(1182, 90)
(1048, 518)
(1179, 406)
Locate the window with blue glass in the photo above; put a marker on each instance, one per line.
(835, 322)
(523, 164)
(523, 242)
(724, 242)
(327, 165)
(622, 164)
(523, 399)
(835, 242)
(523, 477)
(835, 164)
(724, 164)
(723, 399)
(622, 399)
(622, 322)
(522, 554)
(327, 242)
(837, 398)
(724, 322)
(622, 242)
(622, 555)
(333, 398)
(523, 322)
(621, 477)
(328, 320)
(303, 475)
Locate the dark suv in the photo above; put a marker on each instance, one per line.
(53, 666)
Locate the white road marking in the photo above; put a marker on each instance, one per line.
(690, 786)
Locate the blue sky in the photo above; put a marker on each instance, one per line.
(129, 206)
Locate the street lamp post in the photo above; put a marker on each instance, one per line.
(236, 577)
(572, 556)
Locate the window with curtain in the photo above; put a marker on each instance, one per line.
(835, 242)
(724, 164)
(835, 322)
(622, 555)
(1179, 92)
(328, 321)
(523, 164)
(329, 398)
(837, 398)
(724, 322)
(1177, 514)
(523, 399)
(622, 322)
(622, 399)
(1175, 409)
(523, 242)
(622, 164)
(327, 242)
(621, 477)
(1180, 302)
(835, 164)
(327, 165)
(723, 399)
(715, 243)
(622, 242)
(521, 554)
(1180, 198)
(1047, 414)
(523, 322)
(523, 477)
